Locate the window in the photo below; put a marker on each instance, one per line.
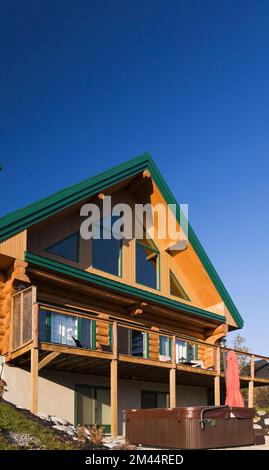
(154, 399)
(186, 352)
(176, 289)
(106, 252)
(165, 346)
(67, 248)
(71, 330)
(133, 342)
(147, 263)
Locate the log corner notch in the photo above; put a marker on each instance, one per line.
(136, 309)
(213, 337)
(16, 276)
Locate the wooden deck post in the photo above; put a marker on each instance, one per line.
(217, 379)
(114, 384)
(172, 376)
(34, 381)
(251, 383)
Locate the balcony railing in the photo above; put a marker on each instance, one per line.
(38, 323)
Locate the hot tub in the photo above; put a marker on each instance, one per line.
(199, 427)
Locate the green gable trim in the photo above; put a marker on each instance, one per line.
(119, 287)
(208, 266)
(19, 220)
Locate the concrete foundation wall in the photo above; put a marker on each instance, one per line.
(56, 392)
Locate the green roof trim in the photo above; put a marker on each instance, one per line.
(120, 287)
(19, 220)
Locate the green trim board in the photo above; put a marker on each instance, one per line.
(120, 287)
(17, 221)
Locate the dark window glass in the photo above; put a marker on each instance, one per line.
(146, 266)
(137, 347)
(176, 289)
(151, 399)
(106, 252)
(106, 255)
(67, 248)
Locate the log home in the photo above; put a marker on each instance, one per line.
(89, 328)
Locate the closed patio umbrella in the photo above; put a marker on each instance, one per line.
(233, 394)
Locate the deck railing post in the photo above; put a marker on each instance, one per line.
(251, 383)
(172, 376)
(217, 378)
(114, 383)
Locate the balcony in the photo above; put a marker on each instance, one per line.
(49, 336)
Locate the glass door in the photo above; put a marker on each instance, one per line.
(92, 406)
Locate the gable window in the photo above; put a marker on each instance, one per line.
(67, 248)
(107, 252)
(176, 289)
(147, 263)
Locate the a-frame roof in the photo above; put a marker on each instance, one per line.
(19, 220)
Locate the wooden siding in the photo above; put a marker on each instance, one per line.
(15, 246)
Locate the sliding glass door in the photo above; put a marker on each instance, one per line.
(92, 406)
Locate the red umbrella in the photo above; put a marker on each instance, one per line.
(233, 394)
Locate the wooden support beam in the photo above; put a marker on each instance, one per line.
(172, 387)
(174, 247)
(134, 185)
(115, 340)
(251, 383)
(217, 390)
(47, 360)
(136, 309)
(217, 378)
(34, 381)
(114, 397)
(174, 351)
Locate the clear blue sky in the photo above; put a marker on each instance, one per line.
(85, 85)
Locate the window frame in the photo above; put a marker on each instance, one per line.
(158, 264)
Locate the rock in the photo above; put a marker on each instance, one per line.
(256, 419)
(63, 428)
(60, 421)
(261, 413)
(256, 426)
(266, 421)
(43, 416)
(23, 440)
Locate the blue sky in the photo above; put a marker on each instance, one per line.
(85, 85)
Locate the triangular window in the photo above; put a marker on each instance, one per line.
(67, 248)
(176, 289)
